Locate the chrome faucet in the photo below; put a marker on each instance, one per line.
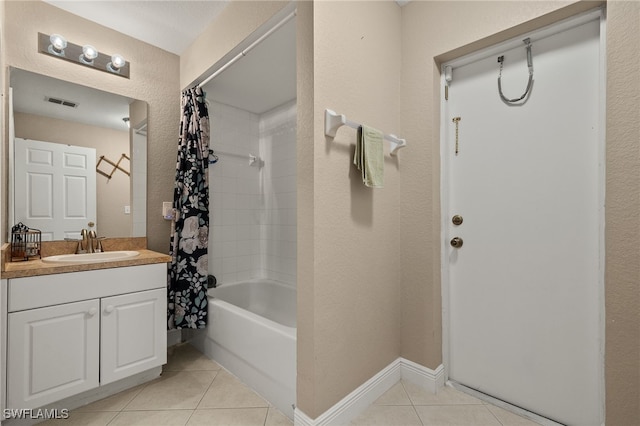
(83, 245)
(92, 238)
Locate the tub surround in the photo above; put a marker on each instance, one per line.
(37, 267)
(265, 310)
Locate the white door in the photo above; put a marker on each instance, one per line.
(134, 335)
(55, 187)
(52, 353)
(524, 302)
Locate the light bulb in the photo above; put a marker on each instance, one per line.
(58, 43)
(89, 53)
(117, 62)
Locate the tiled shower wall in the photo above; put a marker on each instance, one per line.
(253, 208)
(278, 220)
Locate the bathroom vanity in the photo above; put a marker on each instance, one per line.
(92, 326)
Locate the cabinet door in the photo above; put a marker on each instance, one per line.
(52, 353)
(134, 334)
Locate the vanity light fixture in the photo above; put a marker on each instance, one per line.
(117, 62)
(87, 55)
(57, 45)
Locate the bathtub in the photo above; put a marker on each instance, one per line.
(252, 333)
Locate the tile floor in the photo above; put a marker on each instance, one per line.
(194, 390)
(408, 404)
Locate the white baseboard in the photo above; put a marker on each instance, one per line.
(349, 407)
(428, 379)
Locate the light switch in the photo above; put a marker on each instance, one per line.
(127, 209)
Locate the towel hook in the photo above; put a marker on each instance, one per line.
(527, 42)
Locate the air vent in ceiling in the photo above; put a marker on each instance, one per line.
(62, 102)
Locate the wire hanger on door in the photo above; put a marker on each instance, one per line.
(527, 42)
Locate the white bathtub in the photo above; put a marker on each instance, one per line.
(252, 334)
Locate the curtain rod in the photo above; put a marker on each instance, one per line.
(251, 46)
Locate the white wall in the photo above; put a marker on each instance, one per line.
(278, 219)
(252, 209)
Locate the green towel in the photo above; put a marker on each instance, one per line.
(369, 156)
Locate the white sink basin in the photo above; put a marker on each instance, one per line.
(105, 256)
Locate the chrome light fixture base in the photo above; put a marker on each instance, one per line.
(74, 53)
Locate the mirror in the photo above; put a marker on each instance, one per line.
(79, 156)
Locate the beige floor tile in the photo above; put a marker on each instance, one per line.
(113, 403)
(276, 418)
(394, 396)
(509, 419)
(456, 415)
(152, 418)
(173, 390)
(186, 357)
(446, 396)
(227, 391)
(229, 417)
(83, 419)
(388, 415)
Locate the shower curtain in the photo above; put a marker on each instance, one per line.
(187, 280)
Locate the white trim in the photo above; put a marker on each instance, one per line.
(602, 179)
(538, 34)
(366, 394)
(11, 161)
(426, 378)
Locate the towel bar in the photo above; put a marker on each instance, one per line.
(333, 121)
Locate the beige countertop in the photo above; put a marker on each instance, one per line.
(36, 267)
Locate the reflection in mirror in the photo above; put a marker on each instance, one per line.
(79, 158)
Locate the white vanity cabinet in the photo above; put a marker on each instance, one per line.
(69, 333)
(53, 353)
(133, 336)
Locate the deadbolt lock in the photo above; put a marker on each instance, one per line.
(457, 220)
(456, 242)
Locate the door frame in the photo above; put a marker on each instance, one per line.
(598, 13)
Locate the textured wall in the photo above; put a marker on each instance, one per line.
(353, 286)
(622, 229)
(154, 79)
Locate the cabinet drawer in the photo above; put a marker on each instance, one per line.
(47, 290)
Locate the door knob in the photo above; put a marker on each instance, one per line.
(457, 219)
(109, 309)
(456, 242)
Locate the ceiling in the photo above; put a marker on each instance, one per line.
(263, 79)
(94, 107)
(170, 25)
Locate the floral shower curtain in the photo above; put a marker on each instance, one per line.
(187, 281)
